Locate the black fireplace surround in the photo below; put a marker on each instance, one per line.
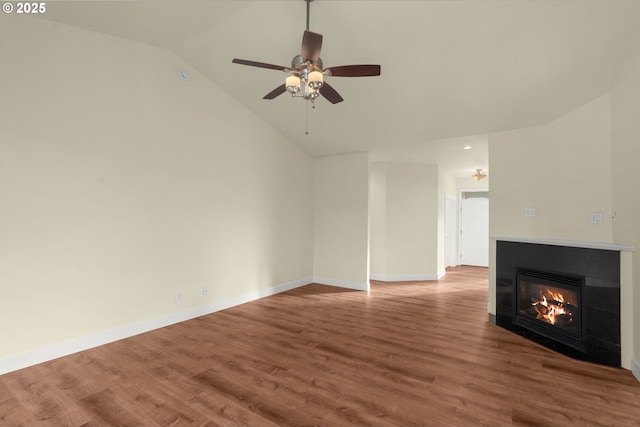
(584, 283)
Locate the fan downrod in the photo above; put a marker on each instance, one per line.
(308, 3)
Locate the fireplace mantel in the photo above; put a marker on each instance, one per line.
(569, 243)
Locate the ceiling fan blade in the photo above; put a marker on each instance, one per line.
(260, 64)
(311, 46)
(276, 92)
(330, 93)
(353, 71)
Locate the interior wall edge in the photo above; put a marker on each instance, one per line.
(66, 348)
(406, 277)
(341, 283)
(635, 368)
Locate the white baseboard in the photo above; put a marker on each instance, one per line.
(635, 368)
(406, 277)
(341, 283)
(34, 357)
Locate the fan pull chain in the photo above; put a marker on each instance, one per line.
(306, 125)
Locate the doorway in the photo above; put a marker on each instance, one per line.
(474, 228)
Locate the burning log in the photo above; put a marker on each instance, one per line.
(550, 310)
(555, 303)
(552, 306)
(542, 310)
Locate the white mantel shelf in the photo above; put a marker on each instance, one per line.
(570, 243)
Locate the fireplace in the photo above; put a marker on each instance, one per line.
(565, 298)
(550, 304)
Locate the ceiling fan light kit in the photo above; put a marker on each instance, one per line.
(310, 82)
(307, 72)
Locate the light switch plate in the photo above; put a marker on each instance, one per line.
(530, 212)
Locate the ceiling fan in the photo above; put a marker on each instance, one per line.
(306, 78)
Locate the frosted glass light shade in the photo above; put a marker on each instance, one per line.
(315, 80)
(293, 84)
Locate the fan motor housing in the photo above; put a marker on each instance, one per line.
(299, 65)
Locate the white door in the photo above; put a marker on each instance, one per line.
(450, 227)
(474, 232)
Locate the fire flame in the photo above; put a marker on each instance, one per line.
(550, 306)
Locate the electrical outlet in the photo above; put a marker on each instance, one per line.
(178, 296)
(596, 217)
(205, 291)
(530, 212)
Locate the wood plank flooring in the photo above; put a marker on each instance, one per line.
(404, 354)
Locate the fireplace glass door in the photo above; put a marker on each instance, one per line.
(550, 305)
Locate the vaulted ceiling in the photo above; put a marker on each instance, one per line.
(452, 71)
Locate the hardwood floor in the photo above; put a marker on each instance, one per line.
(405, 354)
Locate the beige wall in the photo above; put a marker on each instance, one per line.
(625, 101)
(414, 186)
(407, 195)
(446, 185)
(468, 183)
(562, 169)
(341, 220)
(378, 217)
(121, 184)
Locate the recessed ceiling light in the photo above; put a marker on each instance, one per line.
(467, 147)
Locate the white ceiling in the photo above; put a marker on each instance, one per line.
(452, 71)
